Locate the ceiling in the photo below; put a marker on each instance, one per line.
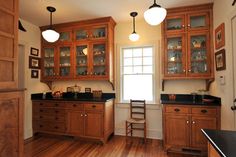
(34, 11)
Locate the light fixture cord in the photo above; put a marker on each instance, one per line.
(134, 25)
(51, 20)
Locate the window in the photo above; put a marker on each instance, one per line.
(137, 74)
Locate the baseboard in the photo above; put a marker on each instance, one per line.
(151, 133)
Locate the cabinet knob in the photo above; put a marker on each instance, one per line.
(189, 70)
(183, 26)
(85, 115)
(56, 118)
(56, 127)
(81, 115)
(41, 110)
(204, 111)
(41, 117)
(177, 110)
(184, 70)
(56, 111)
(40, 126)
(94, 106)
(54, 74)
(74, 105)
(41, 104)
(193, 122)
(188, 25)
(187, 121)
(56, 104)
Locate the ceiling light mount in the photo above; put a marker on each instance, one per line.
(154, 5)
(50, 35)
(133, 36)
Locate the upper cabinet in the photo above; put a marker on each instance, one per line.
(187, 44)
(84, 51)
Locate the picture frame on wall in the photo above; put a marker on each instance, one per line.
(34, 51)
(34, 62)
(220, 60)
(220, 36)
(34, 74)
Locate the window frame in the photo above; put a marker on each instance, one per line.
(121, 77)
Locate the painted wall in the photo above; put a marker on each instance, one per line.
(29, 39)
(223, 12)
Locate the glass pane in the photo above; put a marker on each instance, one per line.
(174, 43)
(128, 70)
(175, 68)
(49, 62)
(147, 69)
(197, 21)
(198, 55)
(64, 36)
(128, 61)
(48, 71)
(147, 60)
(198, 67)
(127, 53)
(174, 24)
(174, 55)
(81, 34)
(81, 56)
(99, 56)
(137, 52)
(137, 61)
(144, 90)
(198, 41)
(49, 52)
(64, 71)
(147, 51)
(99, 70)
(64, 61)
(138, 69)
(99, 32)
(80, 70)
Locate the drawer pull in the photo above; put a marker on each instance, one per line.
(94, 106)
(56, 127)
(41, 110)
(41, 104)
(56, 104)
(41, 117)
(204, 111)
(74, 105)
(56, 111)
(40, 126)
(56, 118)
(177, 110)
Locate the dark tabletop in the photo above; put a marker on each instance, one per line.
(223, 141)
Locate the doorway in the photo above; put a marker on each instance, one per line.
(21, 66)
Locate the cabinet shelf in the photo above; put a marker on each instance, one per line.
(177, 49)
(81, 65)
(99, 65)
(198, 48)
(102, 54)
(178, 61)
(199, 60)
(65, 66)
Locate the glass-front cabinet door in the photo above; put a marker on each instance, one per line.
(81, 34)
(65, 36)
(199, 56)
(175, 23)
(175, 56)
(81, 60)
(49, 62)
(198, 21)
(99, 53)
(99, 32)
(64, 61)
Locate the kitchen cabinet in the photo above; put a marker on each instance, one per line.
(182, 125)
(187, 43)
(80, 119)
(84, 51)
(212, 152)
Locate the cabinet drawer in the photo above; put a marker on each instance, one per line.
(49, 126)
(97, 107)
(47, 117)
(48, 104)
(50, 111)
(177, 109)
(74, 106)
(204, 111)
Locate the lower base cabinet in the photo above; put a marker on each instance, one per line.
(182, 126)
(212, 152)
(88, 120)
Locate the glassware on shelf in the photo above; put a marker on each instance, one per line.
(174, 24)
(81, 34)
(99, 32)
(64, 36)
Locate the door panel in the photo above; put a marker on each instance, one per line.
(75, 123)
(93, 124)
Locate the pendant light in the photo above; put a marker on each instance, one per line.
(134, 36)
(50, 35)
(155, 14)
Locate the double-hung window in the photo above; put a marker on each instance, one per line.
(137, 74)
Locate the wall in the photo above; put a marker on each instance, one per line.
(223, 12)
(29, 39)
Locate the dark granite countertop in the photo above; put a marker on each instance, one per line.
(223, 141)
(88, 97)
(189, 99)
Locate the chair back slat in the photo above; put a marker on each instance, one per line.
(138, 109)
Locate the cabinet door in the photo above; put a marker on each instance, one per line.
(82, 60)
(65, 36)
(198, 21)
(175, 24)
(100, 60)
(49, 62)
(93, 124)
(65, 61)
(175, 56)
(81, 34)
(99, 32)
(197, 138)
(177, 130)
(75, 123)
(199, 57)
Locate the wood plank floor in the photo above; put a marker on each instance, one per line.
(117, 146)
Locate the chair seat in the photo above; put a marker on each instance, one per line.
(136, 120)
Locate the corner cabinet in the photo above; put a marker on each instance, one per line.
(188, 120)
(187, 43)
(84, 51)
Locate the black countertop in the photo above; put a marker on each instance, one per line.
(88, 97)
(223, 141)
(189, 99)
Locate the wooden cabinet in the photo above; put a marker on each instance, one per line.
(212, 151)
(82, 119)
(187, 43)
(84, 51)
(182, 125)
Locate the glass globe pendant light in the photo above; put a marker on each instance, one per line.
(155, 14)
(133, 36)
(50, 35)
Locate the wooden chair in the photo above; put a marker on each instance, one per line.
(137, 118)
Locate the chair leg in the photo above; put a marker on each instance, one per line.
(131, 125)
(145, 133)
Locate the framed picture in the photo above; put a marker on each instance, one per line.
(34, 51)
(34, 74)
(220, 36)
(34, 62)
(220, 60)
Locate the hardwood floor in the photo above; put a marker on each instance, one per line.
(117, 146)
